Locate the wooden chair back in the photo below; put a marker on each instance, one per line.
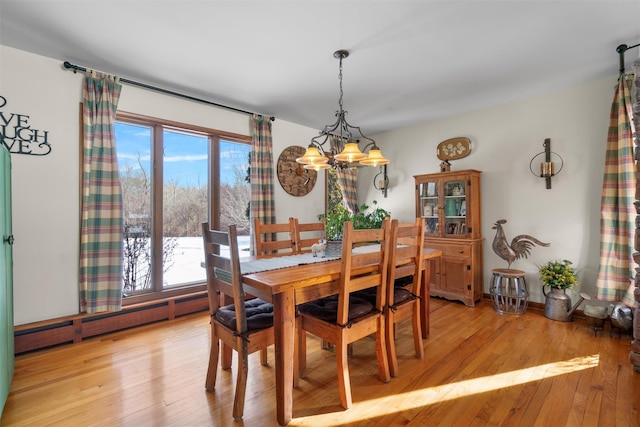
(363, 269)
(273, 239)
(405, 250)
(405, 259)
(307, 234)
(222, 263)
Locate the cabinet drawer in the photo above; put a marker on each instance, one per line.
(456, 250)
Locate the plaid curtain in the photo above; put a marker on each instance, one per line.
(633, 299)
(347, 180)
(101, 228)
(262, 200)
(617, 213)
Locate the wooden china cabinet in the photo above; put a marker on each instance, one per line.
(449, 202)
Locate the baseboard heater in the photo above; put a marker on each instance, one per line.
(72, 329)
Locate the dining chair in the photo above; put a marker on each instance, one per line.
(245, 326)
(404, 300)
(307, 234)
(273, 239)
(343, 319)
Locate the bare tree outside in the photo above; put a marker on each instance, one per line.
(136, 187)
(234, 200)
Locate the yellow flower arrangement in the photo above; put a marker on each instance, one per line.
(558, 274)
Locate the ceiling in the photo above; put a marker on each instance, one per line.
(410, 61)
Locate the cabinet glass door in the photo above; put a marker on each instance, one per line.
(455, 208)
(429, 206)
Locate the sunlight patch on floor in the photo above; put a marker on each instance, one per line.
(424, 397)
(464, 388)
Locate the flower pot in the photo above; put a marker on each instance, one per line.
(333, 249)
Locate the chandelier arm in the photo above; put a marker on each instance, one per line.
(316, 140)
(321, 149)
(330, 129)
(362, 135)
(371, 145)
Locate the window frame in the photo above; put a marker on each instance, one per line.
(213, 182)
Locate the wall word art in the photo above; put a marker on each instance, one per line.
(19, 137)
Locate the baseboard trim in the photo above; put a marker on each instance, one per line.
(534, 306)
(75, 328)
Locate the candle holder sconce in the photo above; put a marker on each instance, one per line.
(547, 167)
(381, 180)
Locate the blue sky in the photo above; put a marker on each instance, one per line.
(185, 155)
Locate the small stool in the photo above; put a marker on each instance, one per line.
(509, 291)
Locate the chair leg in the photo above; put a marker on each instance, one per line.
(381, 351)
(300, 362)
(391, 344)
(344, 382)
(212, 370)
(227, 356)
(241, 382)
(417, 332)
(263, 357)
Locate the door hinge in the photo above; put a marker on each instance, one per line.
(8, 239)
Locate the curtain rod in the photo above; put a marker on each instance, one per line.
(621, 50)
(75, 68)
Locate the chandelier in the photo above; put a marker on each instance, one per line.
(337, 144)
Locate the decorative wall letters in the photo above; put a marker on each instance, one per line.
(19, 137)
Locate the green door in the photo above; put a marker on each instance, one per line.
(6, 278)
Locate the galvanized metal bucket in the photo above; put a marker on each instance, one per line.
(557, 305)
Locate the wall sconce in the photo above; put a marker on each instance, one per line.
(547, 168)
(381, 180)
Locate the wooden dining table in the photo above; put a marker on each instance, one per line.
(287, 287)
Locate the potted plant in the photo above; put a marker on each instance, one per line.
(335, 218)
(558, 276)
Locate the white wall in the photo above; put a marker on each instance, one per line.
(504, 139)
(46, 189)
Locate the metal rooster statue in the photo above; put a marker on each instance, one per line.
(520, 246)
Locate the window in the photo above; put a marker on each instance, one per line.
(174, 177)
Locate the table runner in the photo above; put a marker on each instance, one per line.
(278, 262)
(275, 263)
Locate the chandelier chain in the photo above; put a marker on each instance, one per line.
(340, 78)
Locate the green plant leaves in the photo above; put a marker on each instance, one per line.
(364, 218)
(558, 274)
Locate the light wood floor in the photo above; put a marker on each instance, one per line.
(480, 368)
